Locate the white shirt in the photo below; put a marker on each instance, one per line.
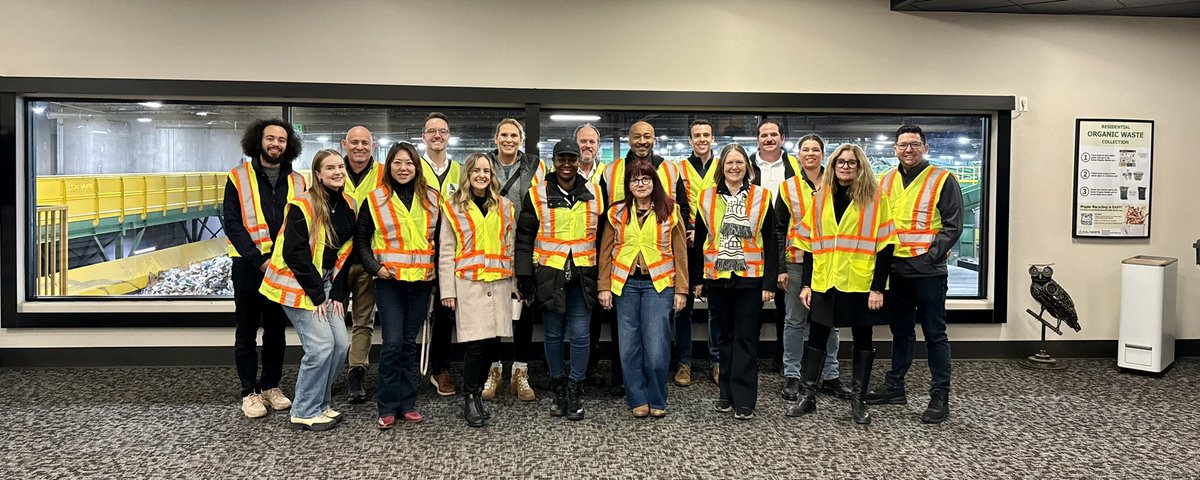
(772, 172)
(436, 169)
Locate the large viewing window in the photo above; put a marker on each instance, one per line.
(122, 199)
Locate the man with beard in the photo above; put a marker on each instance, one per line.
(588, 138)
(363, 175)
(255, 195)
(772, 165)
(697, 176)
(443, 175)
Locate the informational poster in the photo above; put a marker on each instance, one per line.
(1113, 160)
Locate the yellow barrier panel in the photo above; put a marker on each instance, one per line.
(97, 197)
(131, 274)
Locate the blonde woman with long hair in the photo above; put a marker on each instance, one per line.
(307, 276)
(847, 238)
(475, 273)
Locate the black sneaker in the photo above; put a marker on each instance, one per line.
(887, 394)
(939, 407)
(834, 388)
(354, 385)
(724, 406)
(791, 389)
(743, 414)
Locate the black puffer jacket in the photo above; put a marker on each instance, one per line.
(550, 283)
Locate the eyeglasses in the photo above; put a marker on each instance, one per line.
(846, 163)
(437, 131)
(906, 146)
(640, 181)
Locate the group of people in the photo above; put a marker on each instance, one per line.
(483, 246)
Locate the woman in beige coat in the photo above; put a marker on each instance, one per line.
(475, 261)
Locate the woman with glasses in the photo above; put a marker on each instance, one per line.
(475, 274)
(740, 251)
(847, 238)
(643, 272)
(395, 242)
(307, 276)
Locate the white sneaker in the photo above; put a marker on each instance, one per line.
(276, 399)
(253, 407)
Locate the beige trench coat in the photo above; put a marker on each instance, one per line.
(484, 309)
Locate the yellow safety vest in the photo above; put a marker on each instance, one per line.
(372, 180)
(696, 183)
(484, 250)
(914, 208)
(713, 208)
(404, 238)
(279, 283)
(798, 197)
(844, 252)
(453, 176)
(563, 231)
(614, 177)
(245, 181)
(651, 240)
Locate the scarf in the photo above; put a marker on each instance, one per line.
(735, 227)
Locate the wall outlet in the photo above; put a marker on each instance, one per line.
(1022, 104)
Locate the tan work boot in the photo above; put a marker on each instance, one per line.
(683, 376)
(520, 383)
(276, 399)
(445, 387)
(493, 381)
(253, 406)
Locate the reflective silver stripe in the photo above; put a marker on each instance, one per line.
(259, 232)
(924, 218)
(405, 259)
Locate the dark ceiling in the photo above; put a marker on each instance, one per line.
(1129, 8)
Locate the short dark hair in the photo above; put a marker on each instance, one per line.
(767, 121)
(252, 139)
(438, 115)
(698, 122)
(910, 128)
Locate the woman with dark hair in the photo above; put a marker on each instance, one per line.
(739, 272)
(847, 238)
(396, 242)
(306, 275)
(643, 263)
(475, 273)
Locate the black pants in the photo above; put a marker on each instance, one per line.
(780, 319)
(477, 360)
(601, 316)
(737, 311)
(818, 337)
(442, 328)
(253, 311)
(521, 349)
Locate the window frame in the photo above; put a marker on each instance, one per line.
(62, 312)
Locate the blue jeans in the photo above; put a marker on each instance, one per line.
(577, 319)
(918, 300)
(325, 345)
(795, 331)
(643, 317)
(403, 308)
(681, 331)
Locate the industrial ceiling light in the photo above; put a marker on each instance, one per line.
(145, 120)
(568, 117)
(151, 104)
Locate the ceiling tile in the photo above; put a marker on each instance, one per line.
(1074, 6)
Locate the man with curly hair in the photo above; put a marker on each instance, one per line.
(255, 195)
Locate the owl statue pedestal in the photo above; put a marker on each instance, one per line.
(1042, 359)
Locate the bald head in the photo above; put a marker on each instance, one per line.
(641, 140)
(359, 145)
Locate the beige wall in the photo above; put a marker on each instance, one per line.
(1068, 67)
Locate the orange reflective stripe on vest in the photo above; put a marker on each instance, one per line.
(713, 207)
(244, 181)
(279, 283)
(484, 250)
(650, 240)
(914, 208)
(565, 231)
(403, 239)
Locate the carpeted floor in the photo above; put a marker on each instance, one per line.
(1090, 421)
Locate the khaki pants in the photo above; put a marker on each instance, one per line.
(362, 309)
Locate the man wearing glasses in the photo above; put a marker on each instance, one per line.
(919, 275)
(443, 174)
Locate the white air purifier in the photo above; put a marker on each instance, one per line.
(1148, 322)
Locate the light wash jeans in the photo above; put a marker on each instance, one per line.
(795, 331)
(644, 323)
(325, 345)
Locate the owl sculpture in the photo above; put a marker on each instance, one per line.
(1052, 297)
